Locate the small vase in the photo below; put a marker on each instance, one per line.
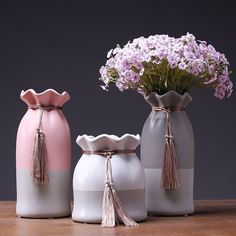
(168, 124)
(89, 177)
(43, 156)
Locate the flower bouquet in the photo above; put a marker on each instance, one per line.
(161, 63)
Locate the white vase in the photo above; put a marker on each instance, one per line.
(89, 178)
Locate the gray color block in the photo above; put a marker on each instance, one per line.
(43, 201)
(176, 202)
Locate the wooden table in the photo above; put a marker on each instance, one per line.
(216, 218)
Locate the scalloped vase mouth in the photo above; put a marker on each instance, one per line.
(170, 98)
(106, 142)
(46, 98)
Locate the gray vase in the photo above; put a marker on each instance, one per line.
(158, 200)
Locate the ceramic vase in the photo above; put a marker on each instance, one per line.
(160, 201)
(43, 195)
(89, 177)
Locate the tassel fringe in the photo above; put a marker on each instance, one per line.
(108, 208)
(39, 163)
(170, 178)
(112, 207)
(121, 213)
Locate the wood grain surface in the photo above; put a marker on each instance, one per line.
(216, 218)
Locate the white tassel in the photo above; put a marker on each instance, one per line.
(108, 208)
(112, 206)
(121, 213)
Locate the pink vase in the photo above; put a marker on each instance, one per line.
(48, 194)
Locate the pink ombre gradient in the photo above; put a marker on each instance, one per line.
(55, 127)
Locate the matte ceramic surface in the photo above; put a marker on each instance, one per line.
(132, 201)
(51, 199)
(158, 200)
(89, 178)
(45, 200)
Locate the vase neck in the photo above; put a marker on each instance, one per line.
(104, 142)
(48, 98)
(169, 99)
(108, 153)
(45, 108)
(168, 109)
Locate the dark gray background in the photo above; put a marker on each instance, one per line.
(62, 44)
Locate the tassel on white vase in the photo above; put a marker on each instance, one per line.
(112, 207)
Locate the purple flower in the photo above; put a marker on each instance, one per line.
(143, 60)
(182, 65)
(219, 92)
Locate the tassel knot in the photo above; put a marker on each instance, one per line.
(169, 137)
(108, 184)
(40, 133)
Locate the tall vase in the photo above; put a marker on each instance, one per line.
(90, 183)
(43, 156)
(167, 155)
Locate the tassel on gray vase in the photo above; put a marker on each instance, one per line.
(170, 178)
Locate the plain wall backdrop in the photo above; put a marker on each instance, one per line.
(62, 44)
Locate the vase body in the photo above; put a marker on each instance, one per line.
(50, 199)
(89, 178)
(158, 200)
